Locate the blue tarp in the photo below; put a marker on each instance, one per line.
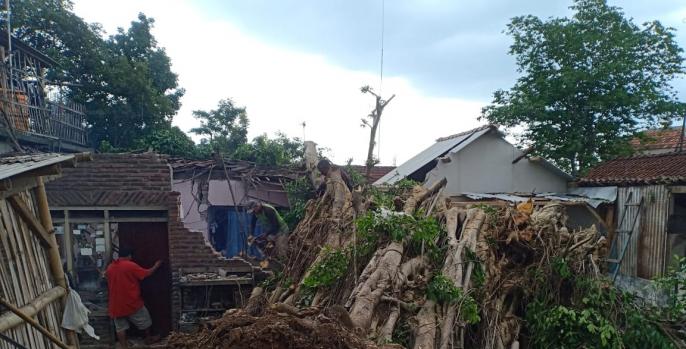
(236, 241)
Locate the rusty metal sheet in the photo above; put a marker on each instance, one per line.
(646, 255)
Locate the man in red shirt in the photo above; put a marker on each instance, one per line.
(125, 302)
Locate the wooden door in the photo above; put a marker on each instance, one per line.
(149, 241)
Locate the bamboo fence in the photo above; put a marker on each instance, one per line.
(27, 275)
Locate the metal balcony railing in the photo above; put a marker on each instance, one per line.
(32, 111)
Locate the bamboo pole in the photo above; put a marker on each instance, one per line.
(53, 254)
(19, 206)
(35, 323)
(9, 321)
(46, 219)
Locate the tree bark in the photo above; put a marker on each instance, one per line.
(425, 333)
(455, 262)
(370, 292)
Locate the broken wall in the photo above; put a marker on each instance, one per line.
(137, 181)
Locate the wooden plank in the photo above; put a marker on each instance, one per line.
(36, 227)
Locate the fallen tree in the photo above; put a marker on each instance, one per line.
(408, 270)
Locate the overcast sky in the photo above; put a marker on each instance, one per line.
(295, 61)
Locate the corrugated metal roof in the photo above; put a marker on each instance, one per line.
(516, 198)
(14, 165)
(442, 146)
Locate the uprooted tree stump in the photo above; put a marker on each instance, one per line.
(424, 276)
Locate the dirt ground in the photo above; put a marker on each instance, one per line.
(272, 330)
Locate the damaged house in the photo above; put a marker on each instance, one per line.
(129, 200)
(213, 199)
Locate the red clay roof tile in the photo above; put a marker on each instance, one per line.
(667, 168)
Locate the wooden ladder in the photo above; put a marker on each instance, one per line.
(628, 233)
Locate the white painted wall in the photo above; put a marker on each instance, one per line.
(485, 166)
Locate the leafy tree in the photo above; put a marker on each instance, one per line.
(125, 81)
(277, 151)
(588, 83)
(170, 140)
(225, 128)
(141, 94)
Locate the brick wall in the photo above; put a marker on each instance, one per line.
(117, 172)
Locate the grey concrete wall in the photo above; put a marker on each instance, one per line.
(485, 166)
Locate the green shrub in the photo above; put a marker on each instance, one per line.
(332, 266)
(443, 290)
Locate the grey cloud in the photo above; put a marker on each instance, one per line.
(447, 48)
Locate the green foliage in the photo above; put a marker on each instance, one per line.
(125, 81)
(597, 315)
(265, 151)
(332, 266)
(395, 225)
(366, 240)
(589, 83)
(306, 297)
(570, 328)
(169, 140)
(224, 129)
(299, 192)
(402, 334)
(271, 282)
(443, 290)
(424, 236)
(673, 283)
(478, 273)
(356, 177)
(561, 267)
(383, 196)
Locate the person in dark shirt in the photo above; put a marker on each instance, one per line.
(275, 228)
(329, 170)
(337, 186)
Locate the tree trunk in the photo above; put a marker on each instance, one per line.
(425, 333)
(455, 262)
(372, 289)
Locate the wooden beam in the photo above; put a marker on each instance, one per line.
(34, 224)
(35, 323)
(595, 214)
(11, 320)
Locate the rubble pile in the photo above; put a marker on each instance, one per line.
(275, 329)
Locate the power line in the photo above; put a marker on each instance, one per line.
(383, 27)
